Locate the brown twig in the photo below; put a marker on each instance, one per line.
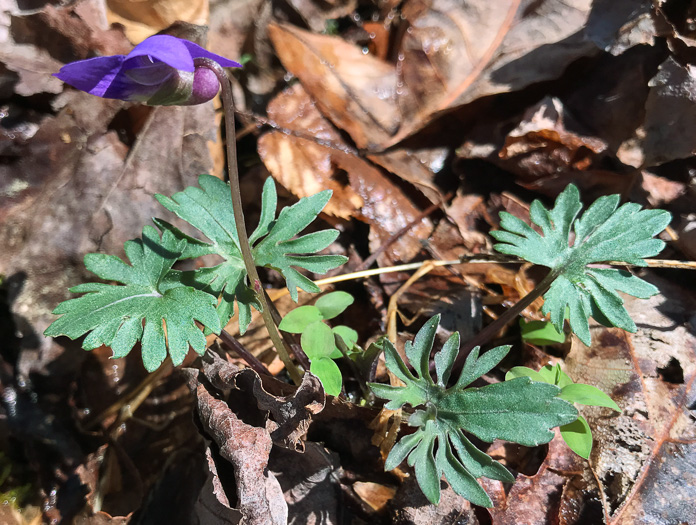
(230, 342)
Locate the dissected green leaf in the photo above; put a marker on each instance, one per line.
(142, 307)
(209, 209)
(297, 320)
(605, 232)
(578, 437)
(518, 410)
(333, 304)
(280, 251)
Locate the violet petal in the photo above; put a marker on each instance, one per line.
(94, 75)
(150, 73)
(168, 49)
(197, 51)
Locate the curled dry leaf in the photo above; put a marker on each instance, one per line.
(547, 141)
(289, 415)
(246, 447)
(546, 150)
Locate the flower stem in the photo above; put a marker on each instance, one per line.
(250, 265)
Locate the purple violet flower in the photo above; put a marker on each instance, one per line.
(159, 71)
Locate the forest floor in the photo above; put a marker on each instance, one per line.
(426, 118)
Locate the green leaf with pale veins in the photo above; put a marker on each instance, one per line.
(519, 410)
(605, 232)
(142, 307)
(209, 209)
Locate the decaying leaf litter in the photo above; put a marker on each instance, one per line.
(396, 106)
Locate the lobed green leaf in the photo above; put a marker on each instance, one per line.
(209, 209)
(605, 232)
(140, 309)
(518, 410)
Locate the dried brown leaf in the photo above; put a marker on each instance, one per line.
(309, 156)
(670, 114)
(546, 142)
(246, 447)
(310, 483)
(143, 19)
(642, 465)
(104, 191)
(353, 90)
(307, 166)
(452, 55)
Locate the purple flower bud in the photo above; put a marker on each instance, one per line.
(159, 71)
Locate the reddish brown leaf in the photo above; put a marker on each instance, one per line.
(312, 159)
(533, 499)
(355, 91)
(307, 166)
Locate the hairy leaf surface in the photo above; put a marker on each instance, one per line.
(209, 209)
(520, 410)
(568, 244)
(140, 309)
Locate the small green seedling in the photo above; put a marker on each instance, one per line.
(318, 340)
(577, 434)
